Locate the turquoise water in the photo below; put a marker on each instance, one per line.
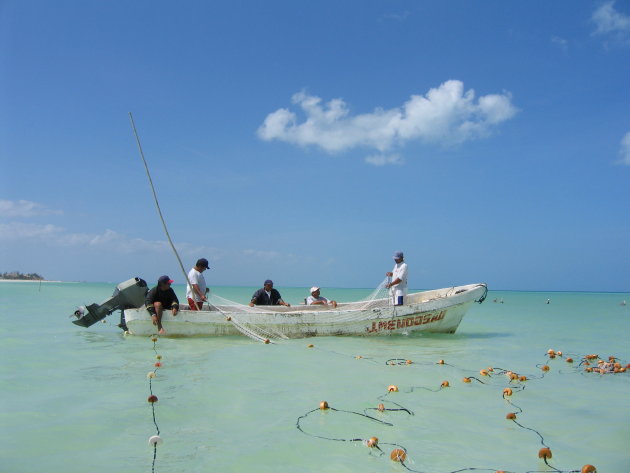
(75, 399)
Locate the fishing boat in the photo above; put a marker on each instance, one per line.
(436, 311)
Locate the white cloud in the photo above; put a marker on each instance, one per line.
(624, 150)
(384, 159)
(260, 254)
(24, 208)
(608, 20)
(444, 115)
(56, 236)
(400, 17)
(560, 42)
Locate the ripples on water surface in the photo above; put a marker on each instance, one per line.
(75, 399)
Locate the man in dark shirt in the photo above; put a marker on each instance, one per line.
(160, 297)
(267, 296)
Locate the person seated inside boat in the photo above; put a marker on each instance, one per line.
(316, 299)
(159, 298)
(267, 296)
(398, 286)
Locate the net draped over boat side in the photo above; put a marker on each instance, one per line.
(244, 315)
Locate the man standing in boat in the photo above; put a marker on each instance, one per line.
(160, 297)
(267, 296)
(398, 285)
(196, 294)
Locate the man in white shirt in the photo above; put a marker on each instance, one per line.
(316, 299)
(196, 294)
(398, 285)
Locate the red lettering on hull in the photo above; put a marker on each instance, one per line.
(405, 322)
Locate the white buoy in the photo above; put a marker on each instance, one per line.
(155, 440)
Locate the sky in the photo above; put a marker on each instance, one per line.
(306, 142)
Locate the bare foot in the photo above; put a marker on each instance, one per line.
(162, 331)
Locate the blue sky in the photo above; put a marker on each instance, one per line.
(307, 141)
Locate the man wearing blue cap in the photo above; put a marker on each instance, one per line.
(267, 296)
(398, 285)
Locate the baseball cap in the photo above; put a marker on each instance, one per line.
(398, 255)
(203, 263)
(314, 288)
(164, 280)
(268, 281)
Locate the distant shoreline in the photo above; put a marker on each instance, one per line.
(29, 280)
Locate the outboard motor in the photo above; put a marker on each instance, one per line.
(127, 295)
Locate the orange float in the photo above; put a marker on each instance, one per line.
(511, 416)
(152, 398)
(589, 469)
(507, 392)
(266, 341)
(398, 455)
(466, 380)
(408, 362)
(483, 372)
(569, 360)
(310, 345)
(559, 353)
(490, 369)
(544, 453)
(513, 376)
(522, 378)
(545, 368)
(445, 384)
(323, 405)
(372, 442)
(392, 388)
(380, 407)
(157, 364)
(589, 370)
(551, 351)
(441, 362)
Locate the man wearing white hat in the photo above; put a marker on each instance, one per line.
(316, 299)
(398, 285)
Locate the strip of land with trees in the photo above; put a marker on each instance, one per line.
(16, 275)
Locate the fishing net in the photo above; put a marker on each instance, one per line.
(258, 322)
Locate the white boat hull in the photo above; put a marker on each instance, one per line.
(438, 311)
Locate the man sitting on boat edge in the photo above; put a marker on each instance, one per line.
(316, 299)
(267, 296)
(158, 298)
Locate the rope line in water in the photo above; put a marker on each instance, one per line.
(515, 385)
(154, 440)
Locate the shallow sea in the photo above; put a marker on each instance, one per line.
(75, 399)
